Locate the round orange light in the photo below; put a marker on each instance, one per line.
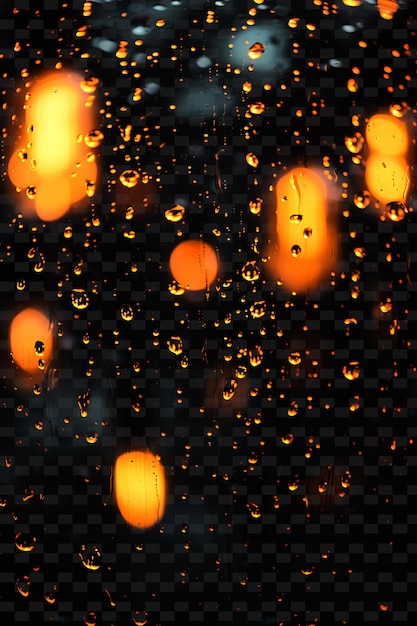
(139, 484)
(30, 340)
(387, 178)
(387, 135)
(194, 264)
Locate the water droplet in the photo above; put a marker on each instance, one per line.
(287, 439)
(25, 542)
(79, 299)
(94, 138)
(250, 271)
(255, 206)
(307, 232)
(31, 192)
(355, 143)
(229, 388)
(90, 188)
(345, 480)
(91, 437)
(294, 358)
(254, 510)
(386, 306)
(256, 356)
(307, 569)
(295, 251)
(175, 345)
(362, 199)
(252, 159)
(140, 618)
(256, 51)
(126, 312)
(90, 558)
(68, 232)
(258, 309)
(257, 108)
(322, 485)
(295, 218)
(175, 213)
(129, 178)
(399, 109)
(352, 85)
(90, 619)
(89, 85)
(352, 370)
(396, 211)
(23, 586)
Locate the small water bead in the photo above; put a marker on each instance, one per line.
(396, 211)
(257, 108)
(175, 345)
(256, 51)
(25, 542)
(31, 192)
(295, 250)
(355, 143)
(79, 299)
(362, 199)
(23, 586)
(126, 312)
(94, 138)
(129, 178)
(252, 159)
(90, 558)
(89, 85)
(386, 306)
(175, 213)
(352, 370)
(250, 271)
(294, 358)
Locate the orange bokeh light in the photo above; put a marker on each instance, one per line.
(305, 236)
(387, 134)
(140, 491)
(30, 340)
(194, 264)
(52, 166)
(387, 171)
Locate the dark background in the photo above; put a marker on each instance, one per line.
(339, 560)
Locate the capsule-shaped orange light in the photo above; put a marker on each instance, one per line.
(30, 340)
(194, 264)
(139, 485)
(305, 238)
(387, 170)
(52, 166)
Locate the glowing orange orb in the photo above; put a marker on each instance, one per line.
(387, 134)
(305, 237)
(139, 484)
(30, 339)
(194, 264)
(53, 167)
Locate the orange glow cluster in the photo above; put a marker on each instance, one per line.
(53, 164)
(387, 169)
(305, 237)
